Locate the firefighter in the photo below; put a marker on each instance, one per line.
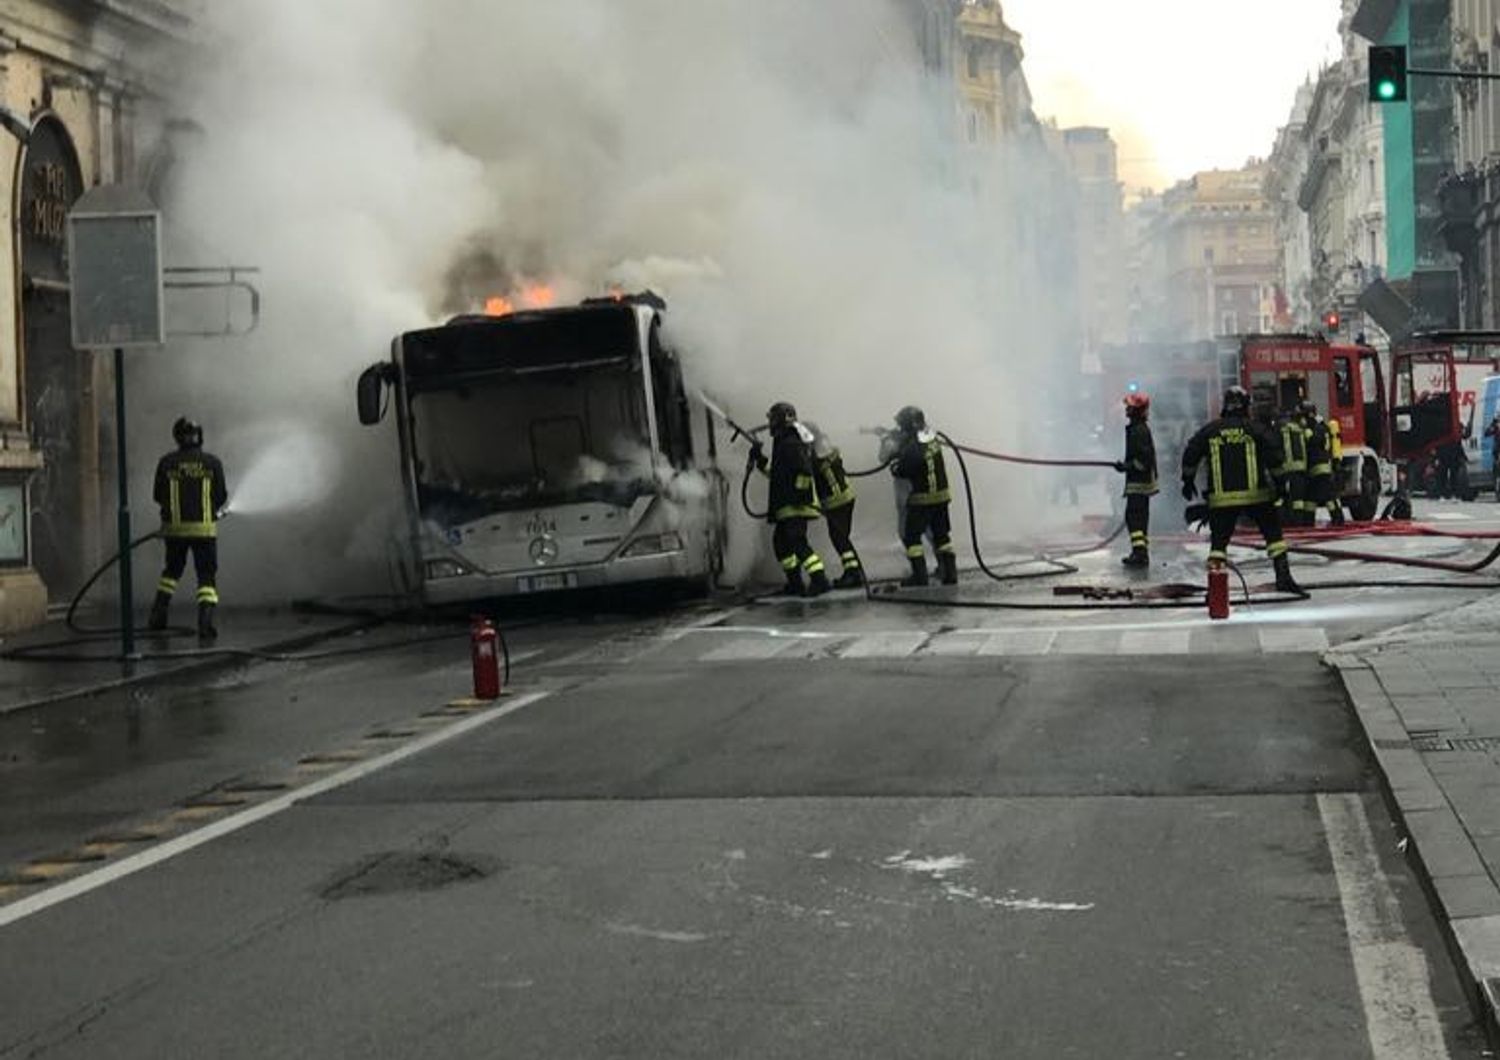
(1319, 463)
(1293, 470)
(1241, 457)
(919, 461)
(191, 493)
(1139, 467)
(793, 500)
(836, 499)
(1336, 459)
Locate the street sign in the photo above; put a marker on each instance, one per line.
(114, 255)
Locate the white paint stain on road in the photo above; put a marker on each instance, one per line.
(638, 931)
(940, 868)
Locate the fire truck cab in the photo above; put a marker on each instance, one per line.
(1346, 383)
(1438, 379)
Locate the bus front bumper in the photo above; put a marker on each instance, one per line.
(664, 567)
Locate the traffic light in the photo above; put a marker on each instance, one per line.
(1387, 73)
(1331, 321)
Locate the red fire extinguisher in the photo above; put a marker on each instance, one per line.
(1218, 592)
(484, 648)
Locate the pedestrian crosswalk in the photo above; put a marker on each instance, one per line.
(729, 645)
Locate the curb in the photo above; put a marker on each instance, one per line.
(188, 666)
(1451, 871)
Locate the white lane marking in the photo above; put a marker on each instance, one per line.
(92, 881)
(1293, 639)
(953, 644)
(748, 648)
(1392, 972)
(1020, 642)
(703, 622)
(885, 646)
(653, 933)
(1450, 517)
(1156, 642)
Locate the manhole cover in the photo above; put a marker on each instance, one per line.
(405, 871)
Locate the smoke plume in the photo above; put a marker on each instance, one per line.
(786, 173)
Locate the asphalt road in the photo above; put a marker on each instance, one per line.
(779, 829)
(832, 829)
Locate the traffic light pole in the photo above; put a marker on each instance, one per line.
(1456, 75)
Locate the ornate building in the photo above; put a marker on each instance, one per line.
(77, 85)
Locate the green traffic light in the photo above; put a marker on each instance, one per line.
(1386, 89)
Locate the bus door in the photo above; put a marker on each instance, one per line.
(1424, 402)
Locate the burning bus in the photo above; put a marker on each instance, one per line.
(551, 449)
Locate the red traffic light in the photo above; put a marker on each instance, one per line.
(1331, 320)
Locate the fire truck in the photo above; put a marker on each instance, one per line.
(1435, 382)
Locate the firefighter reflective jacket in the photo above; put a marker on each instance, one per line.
(1336, 443)
(1241, 457)
(834, 488)
(793, 495)
(920, 462)
(1293, 445)
(1140, 460)
(1319, 448)
(190, 492)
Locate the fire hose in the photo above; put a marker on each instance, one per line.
(1175, 596)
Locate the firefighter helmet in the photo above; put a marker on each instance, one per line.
(911, 419)
(1137, 403)
(187, 434)
(782, 414)
(1236, 402)
(1308, 408)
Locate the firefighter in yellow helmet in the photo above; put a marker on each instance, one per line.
(191, 492)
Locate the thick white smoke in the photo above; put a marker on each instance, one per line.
(784, 172)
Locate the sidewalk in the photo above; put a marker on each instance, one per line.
(26, 684)
(1428, 697)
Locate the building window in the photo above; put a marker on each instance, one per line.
(1231, 324)
(973, 128)
(973, 60)
(1208, 254)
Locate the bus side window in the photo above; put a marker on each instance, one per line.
(672, 410)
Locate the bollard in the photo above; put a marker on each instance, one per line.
(484, 644)
(1218, 593)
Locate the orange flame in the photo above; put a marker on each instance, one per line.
(498, 306)
(537, 296)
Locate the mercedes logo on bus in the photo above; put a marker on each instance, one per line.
(543, 550)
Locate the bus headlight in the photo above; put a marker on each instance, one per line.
(653, 545)
(445, 568)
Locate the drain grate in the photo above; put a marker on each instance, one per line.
(1456, 743)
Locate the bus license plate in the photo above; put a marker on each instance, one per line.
(545, 583)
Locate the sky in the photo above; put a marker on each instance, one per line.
(1185, 85)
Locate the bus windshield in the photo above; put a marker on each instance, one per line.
(502, 442)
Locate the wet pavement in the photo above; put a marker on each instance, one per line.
(744, 829)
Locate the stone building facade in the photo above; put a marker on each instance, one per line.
(79, 81)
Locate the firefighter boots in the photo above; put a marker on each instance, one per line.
(157, 621)
(1284, 581)
(918, 576)
(1139, 559)
(948, 568)
(794, 585)
(850, 579)
(206, 631)
(819, 584)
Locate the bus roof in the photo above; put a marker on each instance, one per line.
(533, 340)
